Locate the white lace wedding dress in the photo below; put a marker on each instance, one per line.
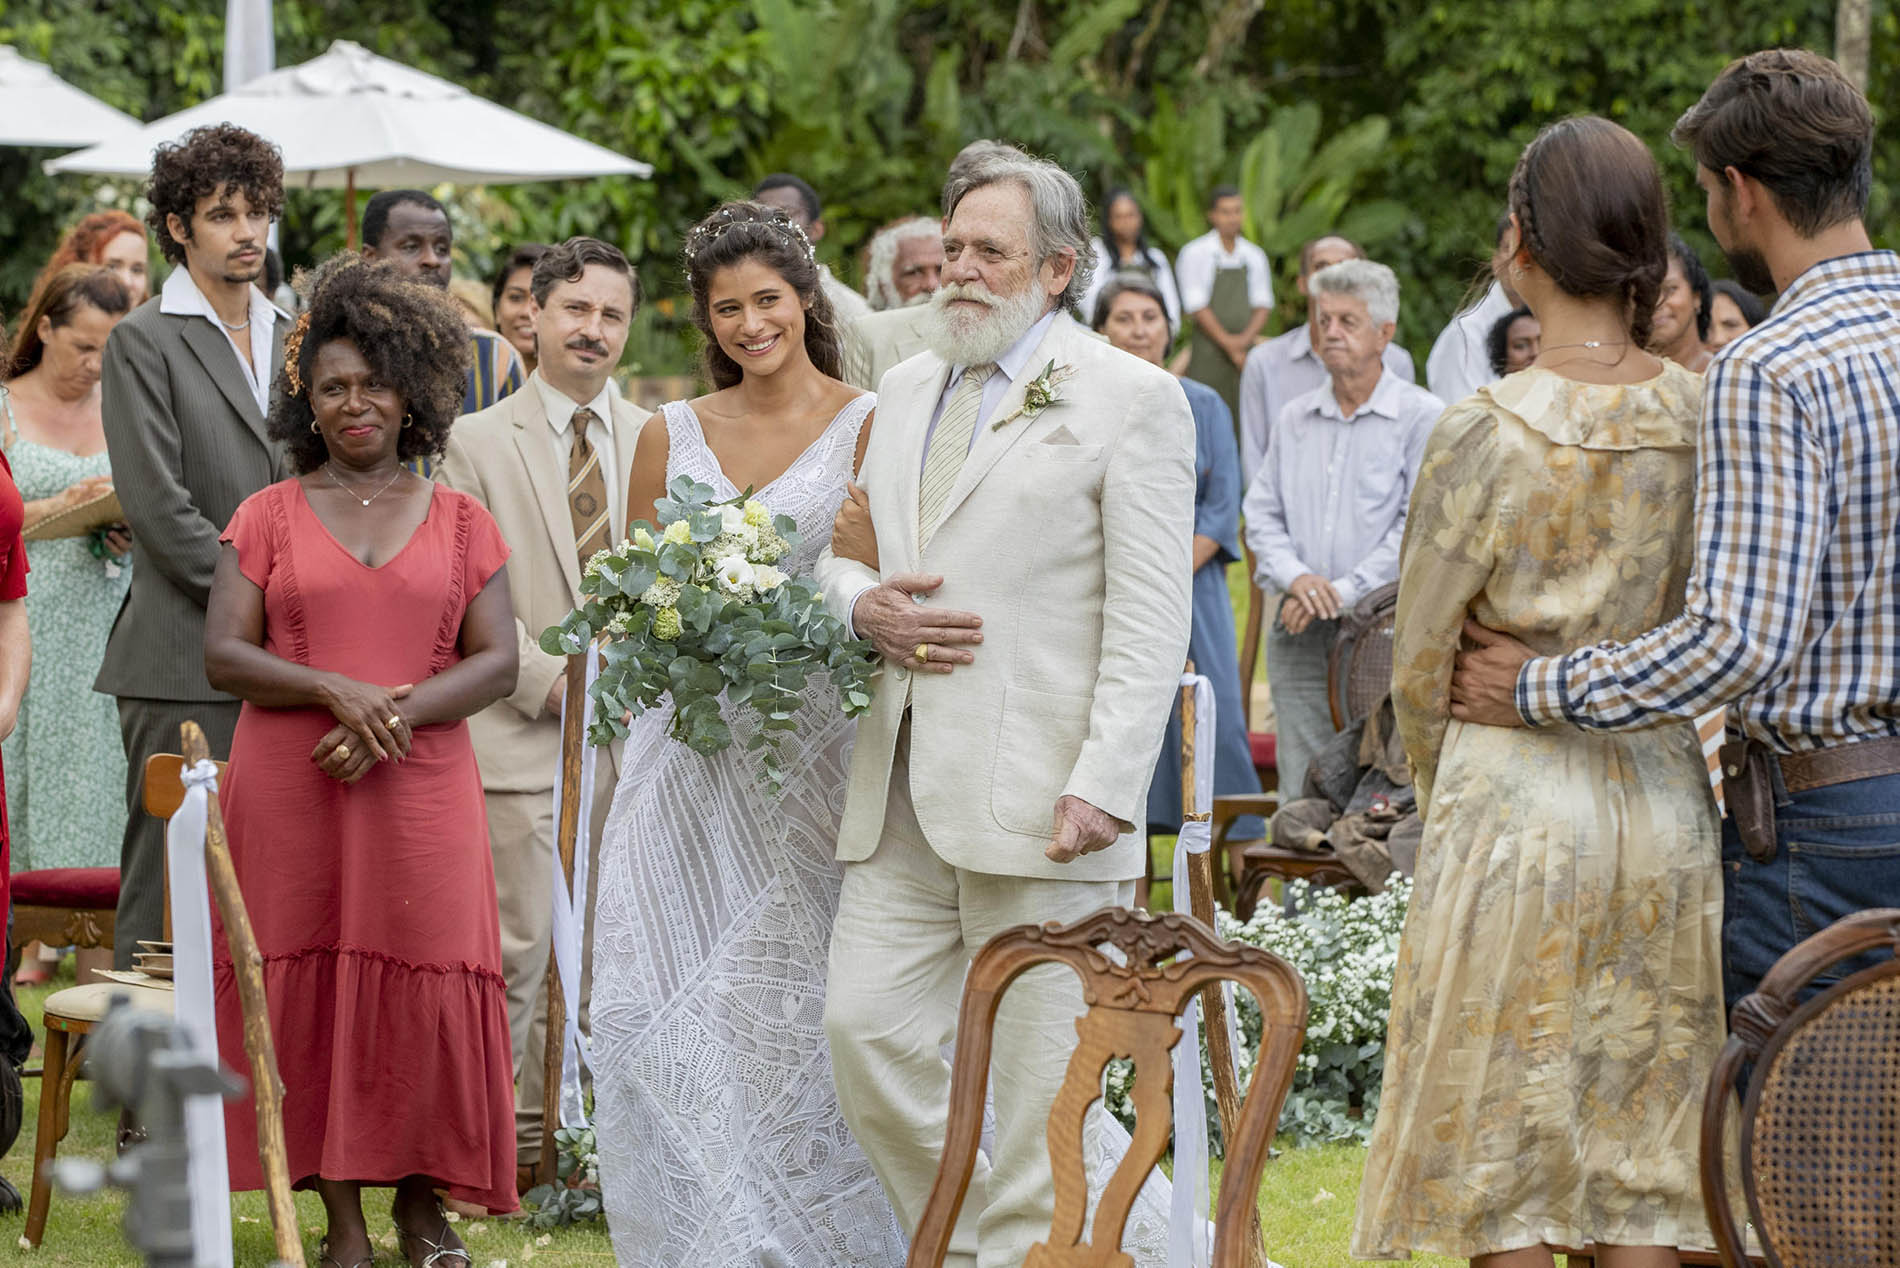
(720, 1138)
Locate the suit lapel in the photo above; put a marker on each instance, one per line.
(921, 405)
(220, 361)
(549, 482)
(992, 442)
(626, 436)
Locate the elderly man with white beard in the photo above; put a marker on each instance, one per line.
(904, 263)
(1031, 489)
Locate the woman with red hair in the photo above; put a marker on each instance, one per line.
(114, 239)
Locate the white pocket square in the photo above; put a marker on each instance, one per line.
(1061, 436)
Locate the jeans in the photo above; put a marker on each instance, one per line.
(1302, 709)
(1837, 852)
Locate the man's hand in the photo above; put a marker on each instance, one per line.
(1295, 616)
(1484, 680)
(900, 625)
(1317, 593)
(1080, 829)
(557, 695)
(852, 536)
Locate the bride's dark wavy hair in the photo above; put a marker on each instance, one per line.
(740, 231)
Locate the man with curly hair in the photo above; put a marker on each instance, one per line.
(186, 389)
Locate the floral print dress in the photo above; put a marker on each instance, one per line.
(65, 762)
(1558, 1000)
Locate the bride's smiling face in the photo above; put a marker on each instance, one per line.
(757, 316)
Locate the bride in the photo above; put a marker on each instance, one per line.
(721, 1141)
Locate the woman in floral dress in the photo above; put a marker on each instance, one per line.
(1558, 1000)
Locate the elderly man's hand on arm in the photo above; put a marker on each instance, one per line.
(907, 632)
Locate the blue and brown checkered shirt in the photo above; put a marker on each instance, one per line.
(1792, 612)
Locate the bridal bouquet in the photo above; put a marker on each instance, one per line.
(696, 610)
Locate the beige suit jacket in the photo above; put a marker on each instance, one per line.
(881, 340)
(503, 457)
(1070, 534)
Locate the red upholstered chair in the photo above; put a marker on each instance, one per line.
(65, 907)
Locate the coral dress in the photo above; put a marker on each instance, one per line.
(374, 904)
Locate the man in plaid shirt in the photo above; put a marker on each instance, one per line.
(1792, 614)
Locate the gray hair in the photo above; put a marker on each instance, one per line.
(1059, 219)
(881, 257)
(1374, 284)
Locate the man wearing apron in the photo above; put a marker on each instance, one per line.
(1227, 292)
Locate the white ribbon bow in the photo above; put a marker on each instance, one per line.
(570, 922)
(194, 1009)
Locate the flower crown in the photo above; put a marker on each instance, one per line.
(716, 226)
(293, 351)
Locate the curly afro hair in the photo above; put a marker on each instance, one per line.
(412, 335)
(215, 159)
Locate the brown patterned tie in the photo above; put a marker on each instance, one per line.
(587, 491)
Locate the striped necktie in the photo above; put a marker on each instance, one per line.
(949, 447)
(587, 490)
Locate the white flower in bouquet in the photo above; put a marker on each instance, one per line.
(771, 547)
(735, 575)
(592, 569)
(643, 539)
(757, 515)
(679, 532)
(666, 624)
(663, 593)
(767, 578)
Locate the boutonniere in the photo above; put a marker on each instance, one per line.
(1042, 392)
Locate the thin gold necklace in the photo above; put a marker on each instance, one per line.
(358, 496)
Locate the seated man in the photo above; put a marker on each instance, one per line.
(1326, 510)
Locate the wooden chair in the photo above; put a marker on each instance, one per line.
(1358, 677)
(64, 907)
(1818, 1153)
(1132, 1010)
(71, 1014)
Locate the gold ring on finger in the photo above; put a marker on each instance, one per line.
(922, 653)
(394, 721)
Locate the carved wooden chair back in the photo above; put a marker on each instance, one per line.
(1819, 1146)
(1135, 982)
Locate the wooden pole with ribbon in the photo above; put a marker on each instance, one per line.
(573, 737)
(247, 963)
(1200, 876)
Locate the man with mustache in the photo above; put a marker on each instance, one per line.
(551, 464)
(1032, 492)
(411, 230)
(186, 385)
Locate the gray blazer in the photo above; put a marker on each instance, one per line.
(187, 445)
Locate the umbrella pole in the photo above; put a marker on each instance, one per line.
(1220, 1053)
(349, 209)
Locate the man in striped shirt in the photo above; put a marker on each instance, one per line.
(1792, 614)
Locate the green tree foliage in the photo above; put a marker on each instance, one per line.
(1395, 120)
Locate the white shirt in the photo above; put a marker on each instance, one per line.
(1332, 495)
(1460, 362)
(180, 297)
(1158, 270)
(1010, 364)
(1200, 259)
(1278, 370)
(558, 407)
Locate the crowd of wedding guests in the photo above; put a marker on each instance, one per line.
(1627, 496)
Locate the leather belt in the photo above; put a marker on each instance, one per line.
(1749, 786)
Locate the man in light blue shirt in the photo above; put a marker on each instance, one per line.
(1325, 512)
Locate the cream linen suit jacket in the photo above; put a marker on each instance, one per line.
(504, 457)
(878, 342)
(1070, 534)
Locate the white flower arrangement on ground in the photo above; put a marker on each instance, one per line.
(1346, 951)
(695, 610)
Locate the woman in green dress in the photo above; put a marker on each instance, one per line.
(65, 764)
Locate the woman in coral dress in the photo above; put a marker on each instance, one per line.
(362, 614)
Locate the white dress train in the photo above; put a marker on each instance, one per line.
(720, 1137)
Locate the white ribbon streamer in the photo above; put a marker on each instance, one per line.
(195, 1011)
(1189, 1245)
(570, 921)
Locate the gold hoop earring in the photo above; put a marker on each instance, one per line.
(408, 421)
(313, 428)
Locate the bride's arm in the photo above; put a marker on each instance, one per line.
(646, 484)
(852, 535)
(1446, 559)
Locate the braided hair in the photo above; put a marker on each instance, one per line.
(1589, 204)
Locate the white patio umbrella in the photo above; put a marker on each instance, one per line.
(350, 117)
(39, 108)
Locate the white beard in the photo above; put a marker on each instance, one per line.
(977, 339)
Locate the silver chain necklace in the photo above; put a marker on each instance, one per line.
(358, 496)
